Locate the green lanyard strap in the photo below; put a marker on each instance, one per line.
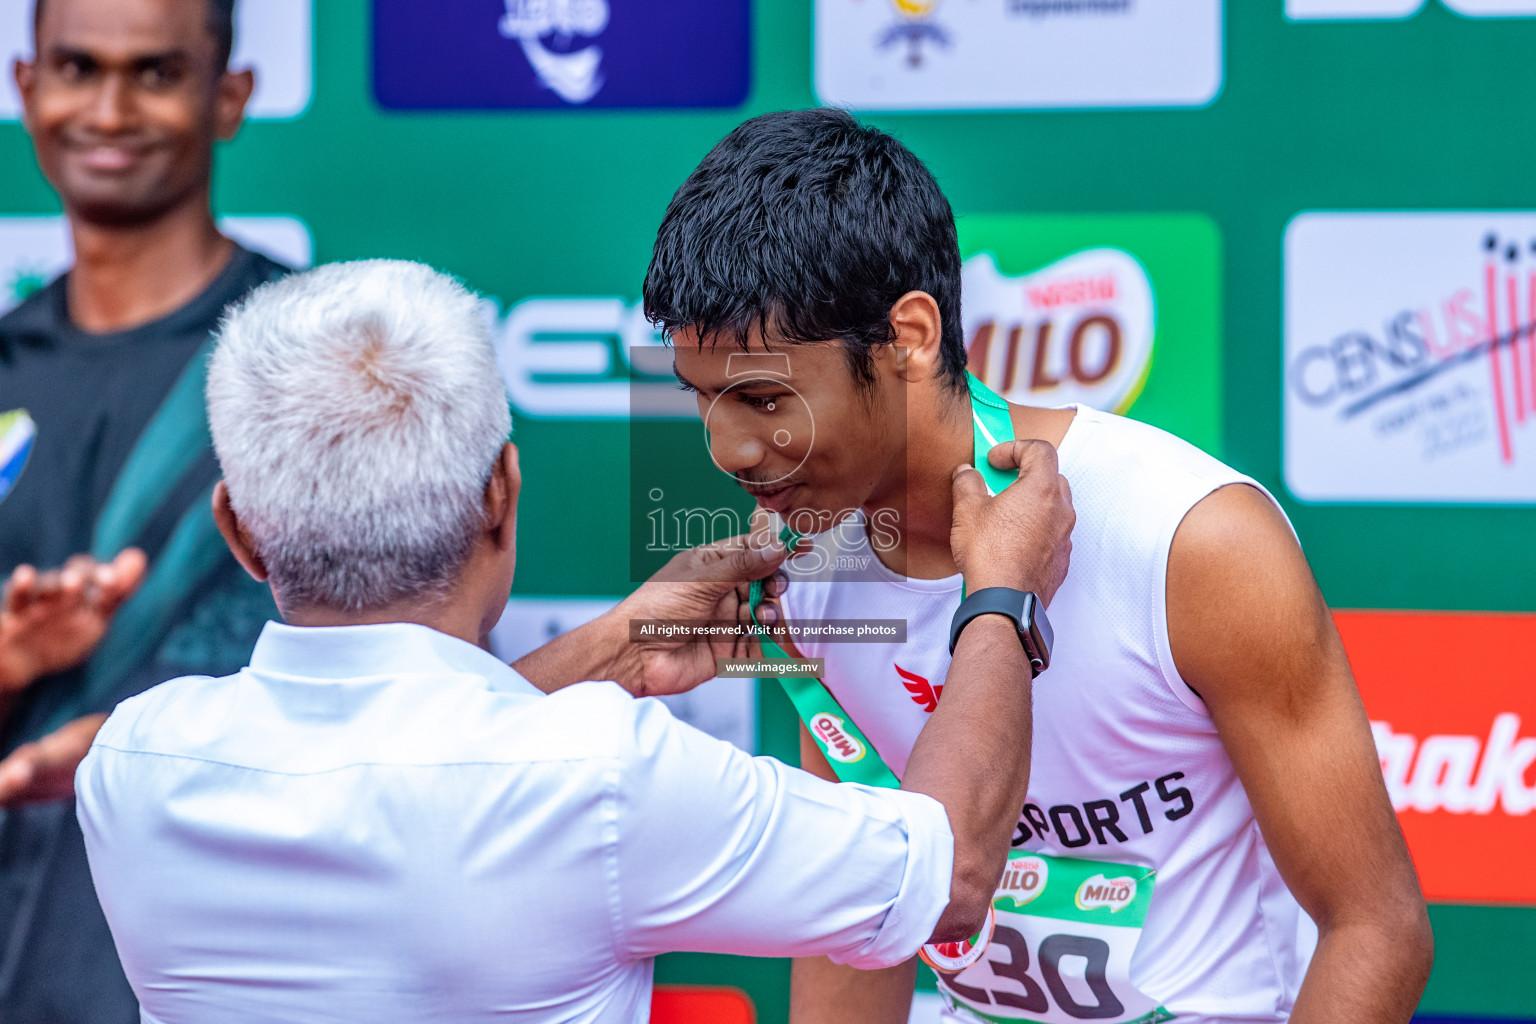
(850, 753)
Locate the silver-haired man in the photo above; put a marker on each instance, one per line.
(378, 821)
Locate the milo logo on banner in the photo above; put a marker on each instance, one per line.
(1079, 330)
(1116, 312)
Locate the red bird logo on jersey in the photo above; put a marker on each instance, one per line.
(924, 694)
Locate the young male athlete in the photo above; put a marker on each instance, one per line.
(1203, 786)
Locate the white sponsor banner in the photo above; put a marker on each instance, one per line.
(1410, 365)
(35, 250)
(1078, 330)
(1307, 10)
(724, 708)
(587, 358)
(274, 37)
(981, 54)
(1493, 8)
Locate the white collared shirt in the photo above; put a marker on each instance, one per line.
(384, 823)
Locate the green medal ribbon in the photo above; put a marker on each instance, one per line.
(852, 757)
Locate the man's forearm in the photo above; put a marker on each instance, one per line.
(973, 757)
(1368, 973)
(587, 652)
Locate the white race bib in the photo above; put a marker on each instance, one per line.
(1061, 947)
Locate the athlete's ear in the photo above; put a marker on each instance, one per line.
(241, 545)
(232, 93)
(918, 334)
(501, 494)
(25, 73)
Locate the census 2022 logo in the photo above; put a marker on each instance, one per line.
(1410, 357)
(970, 54)
(1349, 10)
(561, 53)
(271, 36)
(1457, 742)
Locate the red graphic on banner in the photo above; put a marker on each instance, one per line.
(1456, 733)
(1510, 402)
(924, 694)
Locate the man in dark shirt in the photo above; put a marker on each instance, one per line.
(124, 101)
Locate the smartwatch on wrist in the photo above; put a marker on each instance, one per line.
(1023, 607)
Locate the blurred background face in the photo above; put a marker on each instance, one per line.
(123, 102)
(792, 426)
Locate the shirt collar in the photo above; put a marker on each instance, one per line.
(392, 648)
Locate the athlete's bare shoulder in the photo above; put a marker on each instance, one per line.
(1236, 580)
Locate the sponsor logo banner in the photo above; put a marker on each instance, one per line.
(274, 37)
(1307, 10)
(480, 54)
(1457, 741)
(961, 54)
(587, 358)
(35, 250)
(1118, 313)
(1410, 359)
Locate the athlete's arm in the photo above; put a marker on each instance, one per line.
(1251, 635)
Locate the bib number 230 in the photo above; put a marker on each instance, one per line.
(1061, 947)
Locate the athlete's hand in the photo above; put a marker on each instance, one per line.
(51, 621)
(1022, 538)
(712, 581)
(45, 768)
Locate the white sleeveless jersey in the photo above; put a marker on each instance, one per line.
(1139, 886)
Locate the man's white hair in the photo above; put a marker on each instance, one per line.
(357, 413)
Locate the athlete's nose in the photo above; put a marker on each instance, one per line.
(113, 108)
(735, 448)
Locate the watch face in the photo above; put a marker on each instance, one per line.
(1040, 626)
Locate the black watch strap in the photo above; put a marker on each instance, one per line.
(1026, 611)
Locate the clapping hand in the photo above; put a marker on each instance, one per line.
(51, 621)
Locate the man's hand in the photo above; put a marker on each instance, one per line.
(707, 582)
(712, 581)
(1022, 538)
(45, 768)
(52, 621)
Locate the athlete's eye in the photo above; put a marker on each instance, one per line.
(767, 403)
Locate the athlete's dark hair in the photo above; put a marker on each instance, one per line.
(808, 224)
(221, 22)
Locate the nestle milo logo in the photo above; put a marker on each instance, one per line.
(1078, 330)
(1024, 880)
(1099, 892)
(828, 729)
